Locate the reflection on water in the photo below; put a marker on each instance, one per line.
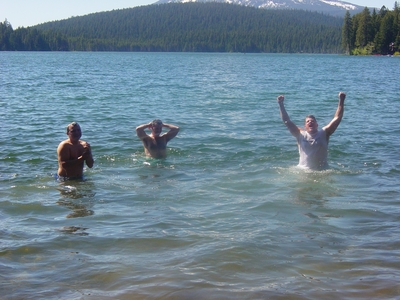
(78, 210)
(77, 195)
(74, 230)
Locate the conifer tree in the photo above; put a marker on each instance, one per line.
(364, 29)
(347, 34)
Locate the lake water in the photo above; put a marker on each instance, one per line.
(227, 215)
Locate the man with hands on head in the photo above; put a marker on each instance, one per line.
(73, 153)
(155, 144)
(313, 143)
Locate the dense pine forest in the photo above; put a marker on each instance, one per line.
(192, 27)
(369, 33)
(213, 27)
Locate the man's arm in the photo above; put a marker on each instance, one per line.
(87, 155)
(140, 130)
(331, 127)
(294, 130)
(173, 131)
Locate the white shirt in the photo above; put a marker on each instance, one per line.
(313, 150)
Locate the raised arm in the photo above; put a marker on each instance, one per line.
(294, 130)
(331, 127)
(140, 130)
(173, 131)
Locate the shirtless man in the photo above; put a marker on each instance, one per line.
(155, 144)
(313, 143)
(73, 153)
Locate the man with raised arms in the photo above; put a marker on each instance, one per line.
(155, 144)
(73, 153)
(313, 143)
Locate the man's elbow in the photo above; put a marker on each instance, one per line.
(174, 129)
(63, 164)
(140, 132)
(338, 118)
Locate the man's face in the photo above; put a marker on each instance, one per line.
(156, 129)
(311, 125)
(74, 132)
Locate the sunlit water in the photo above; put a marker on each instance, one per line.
(227, 215)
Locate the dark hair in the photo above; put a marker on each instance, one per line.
(156, 122)
(73, 124)
(312, 117)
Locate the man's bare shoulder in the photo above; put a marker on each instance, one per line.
(147, 139)
(67, 144)
(64, 143)
(144, 137)
(164, 135)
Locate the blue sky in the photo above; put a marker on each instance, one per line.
(24, 13)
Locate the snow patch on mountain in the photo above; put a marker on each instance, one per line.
(335, 7)
(345, 5)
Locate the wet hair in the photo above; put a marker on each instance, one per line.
(156, 122)
(73, 124)
(311, 117)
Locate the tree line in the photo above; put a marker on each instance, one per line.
(369, 33)
(191, 27)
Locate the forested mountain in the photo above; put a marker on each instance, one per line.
(207, 27)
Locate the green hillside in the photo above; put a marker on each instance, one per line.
(194, 27)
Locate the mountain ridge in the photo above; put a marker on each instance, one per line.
(200, 27)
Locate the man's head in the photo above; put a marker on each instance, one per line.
(156, 127)
(74, 131)
(311, 124)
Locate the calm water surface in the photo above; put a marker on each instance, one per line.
(227, 215)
